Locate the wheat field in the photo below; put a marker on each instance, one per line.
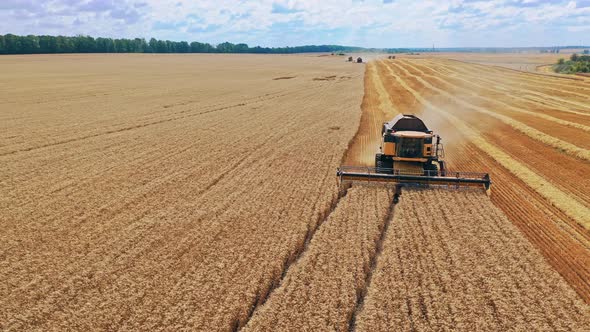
(198, 192)
(515, 125)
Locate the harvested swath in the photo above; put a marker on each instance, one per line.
(562, 240)
(575, 86)
(527, 130)
(452, 261)
(574, 209)
(474, 92)
(377, 108)
(128, 206)
(542, 159)
(321, 291)
(533, 153)
(503, 84)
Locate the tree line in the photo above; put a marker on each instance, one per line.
(31, 44)
(576, 64)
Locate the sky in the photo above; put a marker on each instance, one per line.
(368, 23)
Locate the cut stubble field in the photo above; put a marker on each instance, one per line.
(528, 131)
(164, 192)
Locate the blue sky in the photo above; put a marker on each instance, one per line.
(368, 23)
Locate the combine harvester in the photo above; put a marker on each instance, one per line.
(410, 155)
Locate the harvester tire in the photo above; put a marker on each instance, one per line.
(430, 170)
(441, 165)
(381, 163)
(378, 161)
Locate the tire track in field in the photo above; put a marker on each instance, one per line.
(574, 209)
(525, 129)
(211, 181)
(372, 266)
(311, 297)
(152, 161)
(138, 126)
(260, 301)
(270, 140)
(504, 104)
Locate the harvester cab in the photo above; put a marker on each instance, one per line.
(409, 145)
(410, 154)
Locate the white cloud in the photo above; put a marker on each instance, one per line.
(270, 23)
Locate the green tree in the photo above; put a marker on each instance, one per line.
(574, 57)
(183, 47)
(161, 48)
(13, 45)
(226, 47)
(140, 45)
(84, 44)
(153, 45)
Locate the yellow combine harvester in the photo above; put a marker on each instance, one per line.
(411, 155)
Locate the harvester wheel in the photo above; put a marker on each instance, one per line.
(430, 170)
(378, 161)
(381, 163)
(388, 164)
(441, 165)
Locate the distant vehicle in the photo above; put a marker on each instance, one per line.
(391, 57)
(359, 60)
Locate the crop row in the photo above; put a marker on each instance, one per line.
(321, 291)
(453, 261)
(189, 216)
(474, 144)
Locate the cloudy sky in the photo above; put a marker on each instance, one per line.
(368, 23)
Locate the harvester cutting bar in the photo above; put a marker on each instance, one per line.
(359, 173)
